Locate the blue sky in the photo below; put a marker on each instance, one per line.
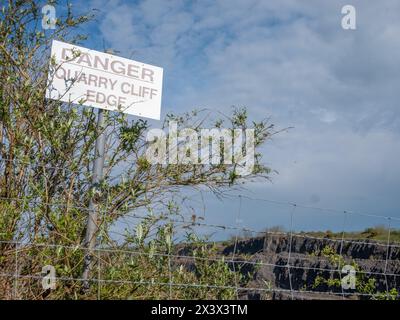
(292, 61)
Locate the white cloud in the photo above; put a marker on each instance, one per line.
(288, 59)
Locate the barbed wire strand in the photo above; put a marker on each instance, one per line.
(226, 227)
(220, 226)
(195, 285)
(191, 257)
(76, 247)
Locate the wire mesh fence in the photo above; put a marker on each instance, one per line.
(243, 259)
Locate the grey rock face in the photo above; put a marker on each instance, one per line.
(284, 269)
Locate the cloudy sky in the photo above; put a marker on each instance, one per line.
(290, 60)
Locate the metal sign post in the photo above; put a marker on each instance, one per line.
(108, 82)
(92, 223)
